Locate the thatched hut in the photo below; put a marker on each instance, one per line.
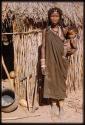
(30, 19)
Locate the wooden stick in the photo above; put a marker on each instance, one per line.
(35, 95)
(7, 73)
(27, 92)
(15, 118)
(16, 33)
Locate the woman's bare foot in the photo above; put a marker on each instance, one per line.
(61, 109)
(61, 112)
(55, 109)
(54, 112)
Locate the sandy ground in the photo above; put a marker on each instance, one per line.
(73, 112)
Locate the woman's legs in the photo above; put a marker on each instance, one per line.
(55, 107)
(54, 110)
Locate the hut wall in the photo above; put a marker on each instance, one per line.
(26, 59)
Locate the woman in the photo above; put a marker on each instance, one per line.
(52, 62)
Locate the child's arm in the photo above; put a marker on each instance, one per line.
(73, 49)
(71, 52)
(73, 43)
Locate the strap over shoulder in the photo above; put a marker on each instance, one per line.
(61, 33)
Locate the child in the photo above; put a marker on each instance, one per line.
(70, 45)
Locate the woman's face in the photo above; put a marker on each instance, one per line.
(55, 18)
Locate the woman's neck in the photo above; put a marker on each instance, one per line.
(55, 28)
(54, 25)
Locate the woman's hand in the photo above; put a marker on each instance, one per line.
(43, 66)
(43, 69)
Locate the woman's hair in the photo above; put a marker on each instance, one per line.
(60, 14)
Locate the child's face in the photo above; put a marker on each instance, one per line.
(71, 34)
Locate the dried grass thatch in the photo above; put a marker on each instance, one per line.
(38, 11)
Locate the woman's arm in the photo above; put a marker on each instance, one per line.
(43, 45)
(43, 49)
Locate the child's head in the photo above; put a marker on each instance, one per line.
(72, 32)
